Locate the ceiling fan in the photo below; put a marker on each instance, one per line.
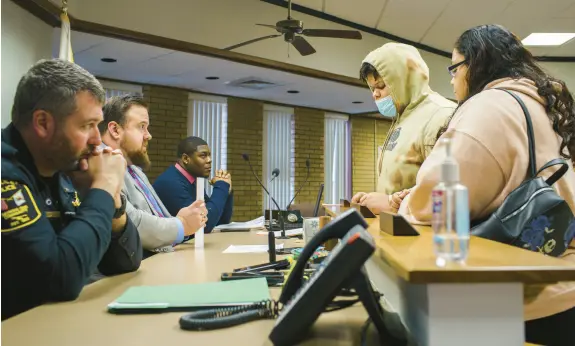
(291, 28)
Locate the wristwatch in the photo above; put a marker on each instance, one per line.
(120, 211)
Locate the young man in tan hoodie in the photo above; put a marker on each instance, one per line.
(399, 81)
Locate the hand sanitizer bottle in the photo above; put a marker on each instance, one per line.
(450, 213)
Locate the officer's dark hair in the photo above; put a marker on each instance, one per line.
(190, 145)
(52, 85)
(367, 70)
(116, 108)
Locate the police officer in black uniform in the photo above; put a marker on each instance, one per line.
(63, 215)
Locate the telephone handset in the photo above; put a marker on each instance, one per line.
(304, 302)
(337, 229)
(342, 268)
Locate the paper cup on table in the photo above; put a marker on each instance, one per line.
(310, 228)
(199, 235)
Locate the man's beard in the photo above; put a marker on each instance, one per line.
(62, 156)
(139, 157)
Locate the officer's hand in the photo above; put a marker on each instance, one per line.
(107, 168)
(81, 179)
(193, 217)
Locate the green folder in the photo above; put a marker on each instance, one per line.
(146, 299)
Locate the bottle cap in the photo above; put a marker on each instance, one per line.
(449, 167)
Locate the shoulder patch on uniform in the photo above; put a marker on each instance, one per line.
(19, 209)
(76, 202)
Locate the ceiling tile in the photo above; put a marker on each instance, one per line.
(126, 53)
(460, 16)
(313, 4)
(80, 41)
(171, 64)
(522, 27)
(536, 9)
(365, 12)
(410, 19)
(567, 49)
(568, 12)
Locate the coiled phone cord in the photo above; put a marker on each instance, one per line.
(230, 316)
(235, 315)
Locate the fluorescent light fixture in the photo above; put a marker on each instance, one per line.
(547, 39)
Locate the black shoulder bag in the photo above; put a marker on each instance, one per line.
(533, 216)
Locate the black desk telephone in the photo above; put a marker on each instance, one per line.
(304, 302)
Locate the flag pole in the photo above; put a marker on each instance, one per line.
(65, 34)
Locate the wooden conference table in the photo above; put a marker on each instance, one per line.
(85, 321)
(479, 303)
(437, 305)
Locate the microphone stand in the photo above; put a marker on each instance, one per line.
(271, 239)
(302, 185)
(280, 218)
(270, 211)
(282, 225)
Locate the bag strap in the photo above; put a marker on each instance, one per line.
(530, 136)
(558, 174)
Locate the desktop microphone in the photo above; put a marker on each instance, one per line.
(302, 185)
(275, 174)
(271, 239)
(246, 157)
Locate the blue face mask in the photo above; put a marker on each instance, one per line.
(386, 107)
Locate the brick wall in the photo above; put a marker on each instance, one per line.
(381, 129)
(168, 125)
(362, 154)
(366, 135)
(245, 135)
(309, 142)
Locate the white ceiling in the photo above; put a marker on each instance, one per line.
(152, 65)
(220, 23)
(438, 23)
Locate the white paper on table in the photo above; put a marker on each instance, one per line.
(255, 223)
(250, 248)
(199, 235)
(289, 233)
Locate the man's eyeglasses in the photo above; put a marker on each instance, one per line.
(453, 68)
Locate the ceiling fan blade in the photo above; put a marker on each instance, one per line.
(351, 34)
(269, 26)
(302, 46)
(251, 41)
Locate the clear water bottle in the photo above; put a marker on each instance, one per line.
(450, 220)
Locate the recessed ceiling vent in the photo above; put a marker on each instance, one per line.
(252, 83)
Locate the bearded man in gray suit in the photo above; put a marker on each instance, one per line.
(125, 127)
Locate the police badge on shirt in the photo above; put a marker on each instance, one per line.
(19, 209)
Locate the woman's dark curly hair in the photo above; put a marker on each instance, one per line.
(493, 52)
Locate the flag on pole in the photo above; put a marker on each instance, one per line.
(65, 35)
